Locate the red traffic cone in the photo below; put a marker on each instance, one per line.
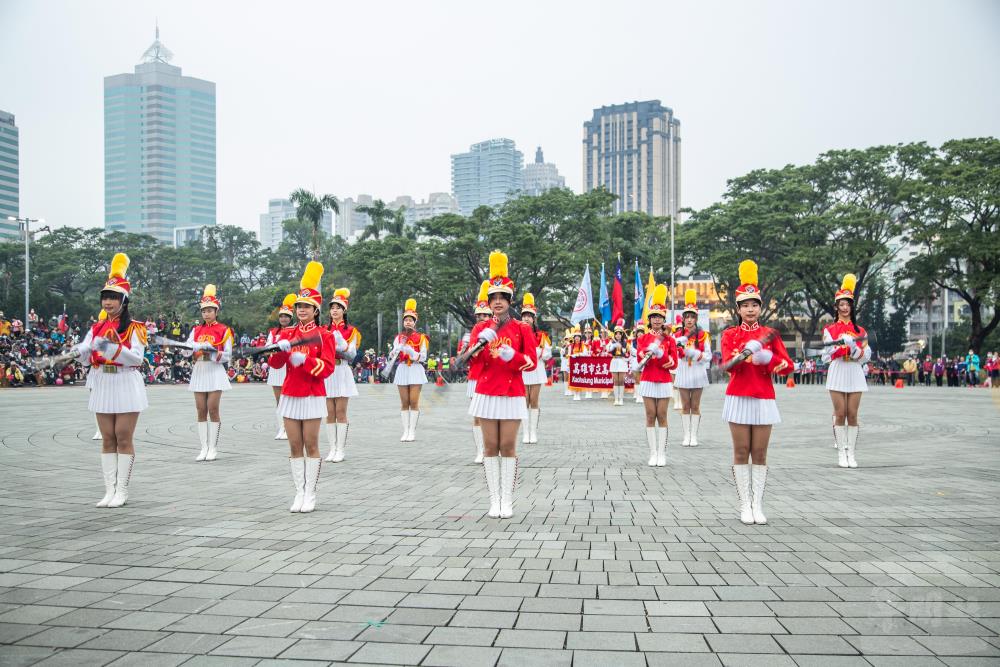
(548, 381)
(899, 384)
(440, 381)
(791, 382)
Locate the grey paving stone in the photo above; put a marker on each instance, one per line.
(462, 636)
(11, 632)
(266, 627)
(316, 649)
(253, 647)
(144, 620)
(820, 626)
(527, 657)
(75, 657)
(462, 656)
(959, 646)
(527, 621)
(686, 659)
(603, 658)
(125, 640)
(742, 643)
(391, 654)
(146, 659)
(62, 637)
(826, 645)
(531, 639)
(757, 625)
(755, 660)
(404, 634)
(187, 642)
(206, 623)
(594, 622)
(596, 641)
(887, 645)
(671, 642)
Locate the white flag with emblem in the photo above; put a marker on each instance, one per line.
(584, 309)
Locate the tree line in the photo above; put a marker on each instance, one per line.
(859, 211)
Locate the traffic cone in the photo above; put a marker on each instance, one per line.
(548, 381)
(440, 381)
(791, 382)
(899, 384)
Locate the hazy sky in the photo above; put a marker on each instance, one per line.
(373, 97)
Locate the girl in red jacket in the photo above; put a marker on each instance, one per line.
(212, 348)
(657, 354)
(303, 394)
(482, 313)
(276, 376)
(750, 407)
(509, 347)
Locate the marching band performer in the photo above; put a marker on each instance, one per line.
(577, 348)
(535, 378)
(482, 312)
(302, 405)
(750, 407)
(509, 348)
(695, 352)
(410, 349)
(657, 353)
(340, 387)
(92, 375)
(620, 350)
(276, 376)
(846, 351)
(592, 347)
(633, 361)
(564, 362)
(212, 345)
(113, 349)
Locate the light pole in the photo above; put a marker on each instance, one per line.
(27, 265)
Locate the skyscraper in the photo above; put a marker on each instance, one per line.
(540, 176)
(278, 210)
(159, 148)
(9, 177)
(634, 150)
(489, 174)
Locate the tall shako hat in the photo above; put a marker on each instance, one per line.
(209, 298)
(500, 282)
(287, 305)
(116, 276)
(309, 285)
(483, 299)
(620, 325)
(658, 302)
(846, 290)
(748, 282)
(410, 309)
(690, 302)
(341, 296)
(528, 304)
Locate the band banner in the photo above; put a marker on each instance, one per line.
(593, 374)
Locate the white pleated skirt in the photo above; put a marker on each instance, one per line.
(406, 375)
(340, 384)
(749, 410)
(470, 389)
(208, 376)
(276, 376)
(117, 393)
(536, 375)
(691, 376)
(846, 376)
(649, 389)
(619, 365)
(302, 407)
(564, 365)
(633, 365)
(91, 375)
(498, 407)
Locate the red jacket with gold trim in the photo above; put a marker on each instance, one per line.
(109, 329)
(747, 378)
(218, 335)
(657, 369)
(496, 376)
(307, 379)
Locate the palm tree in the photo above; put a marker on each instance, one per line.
(383, 219)
(309, 208)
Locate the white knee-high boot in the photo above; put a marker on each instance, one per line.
(298, 469)
(695, 423)
(203, 438)
(405, 416)
(97, 434)
(508, 479)
(331, 437)
(491, 468)
(661, 446)
(412, 433)
(125, 464)
(109, 467)
(533, 425)
(758, 478)
(312, 469)
(686, 425)
(651, 441)
(852, 441)
(214, 431)
(741, 475)
(526, 429)
(342, 431)
(840, 436)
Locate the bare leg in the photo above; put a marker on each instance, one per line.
(277, 394)
(741, 443)
(852, 405)
(759, 438)
(532, 392)
(310, 437)
(491, 437)
(694, 398)
(839, 399)
(414, 390)
(214, 399)
(404, 397)
(661, 411)
(201, 405)
(293, 427)
(650, 405)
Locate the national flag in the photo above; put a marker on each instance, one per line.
(605, 303)
(617, 309)
(640, 296)
(584, 308)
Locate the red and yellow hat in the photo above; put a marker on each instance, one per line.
(748, 282)
(209, 298)
(410, 309)
(620, 325)
(287, 305)
(500, 283)
(690, 302)
(528, 304)
(658, 302)
(483, 299)
(116, 276)
(309, 285)
(341, 296)
(846, 290)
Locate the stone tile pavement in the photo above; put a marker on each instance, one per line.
(606, 562)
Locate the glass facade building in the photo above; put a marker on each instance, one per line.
(9, 177)
(159, 149)
(488, 175)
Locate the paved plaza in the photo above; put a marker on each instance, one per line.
(606, 561)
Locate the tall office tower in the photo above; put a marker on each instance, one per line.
(540, 176)
(488, 175)
(9, 178)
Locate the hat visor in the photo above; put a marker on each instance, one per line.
(746, 297)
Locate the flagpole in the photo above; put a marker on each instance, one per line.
(672, 267)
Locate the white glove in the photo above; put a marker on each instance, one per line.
(655, 349)
(339, 340)
(297, 358)
(754, 346)
(465, 338)
(682, 340)
(690, 352)
(81, 351)
(488, 334)
(285, 345)
(204, 347)
(849, 341)
(857, 352)
(762, 357)
(101, 344)
(411, 353)
(506, 352)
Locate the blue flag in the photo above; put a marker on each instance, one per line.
(640, 295)
(584, 308)
(605, 301)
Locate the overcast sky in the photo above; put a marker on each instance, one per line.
(373, 97)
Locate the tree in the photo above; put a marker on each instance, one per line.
(309, 208)
(959, 230)
(383, 219)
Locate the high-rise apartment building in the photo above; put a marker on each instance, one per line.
(159, 148)
(9, 177)
(634, 151)
(437, 203)
(488, 175)
(540, 176)
(278, 210)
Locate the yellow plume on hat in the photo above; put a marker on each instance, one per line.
(690, 296)
(209, 290)
(288, 301)
(119, 265)
(660, 295)
(411, 304)
(748, 272)
(498, 264)
(313, 274)
(483, 295)
(529, 299)
(850, 282)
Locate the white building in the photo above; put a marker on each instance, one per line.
(279, 210)
(540, 176)
(437, 203)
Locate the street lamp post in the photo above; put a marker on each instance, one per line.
(27, 265)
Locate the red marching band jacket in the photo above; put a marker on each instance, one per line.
(217, 334)
(307, 379)
(350, 334)
(747, 378)
(473, 365)
(657, 370)
(496, 376)
(109, 329)
(834, 333)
